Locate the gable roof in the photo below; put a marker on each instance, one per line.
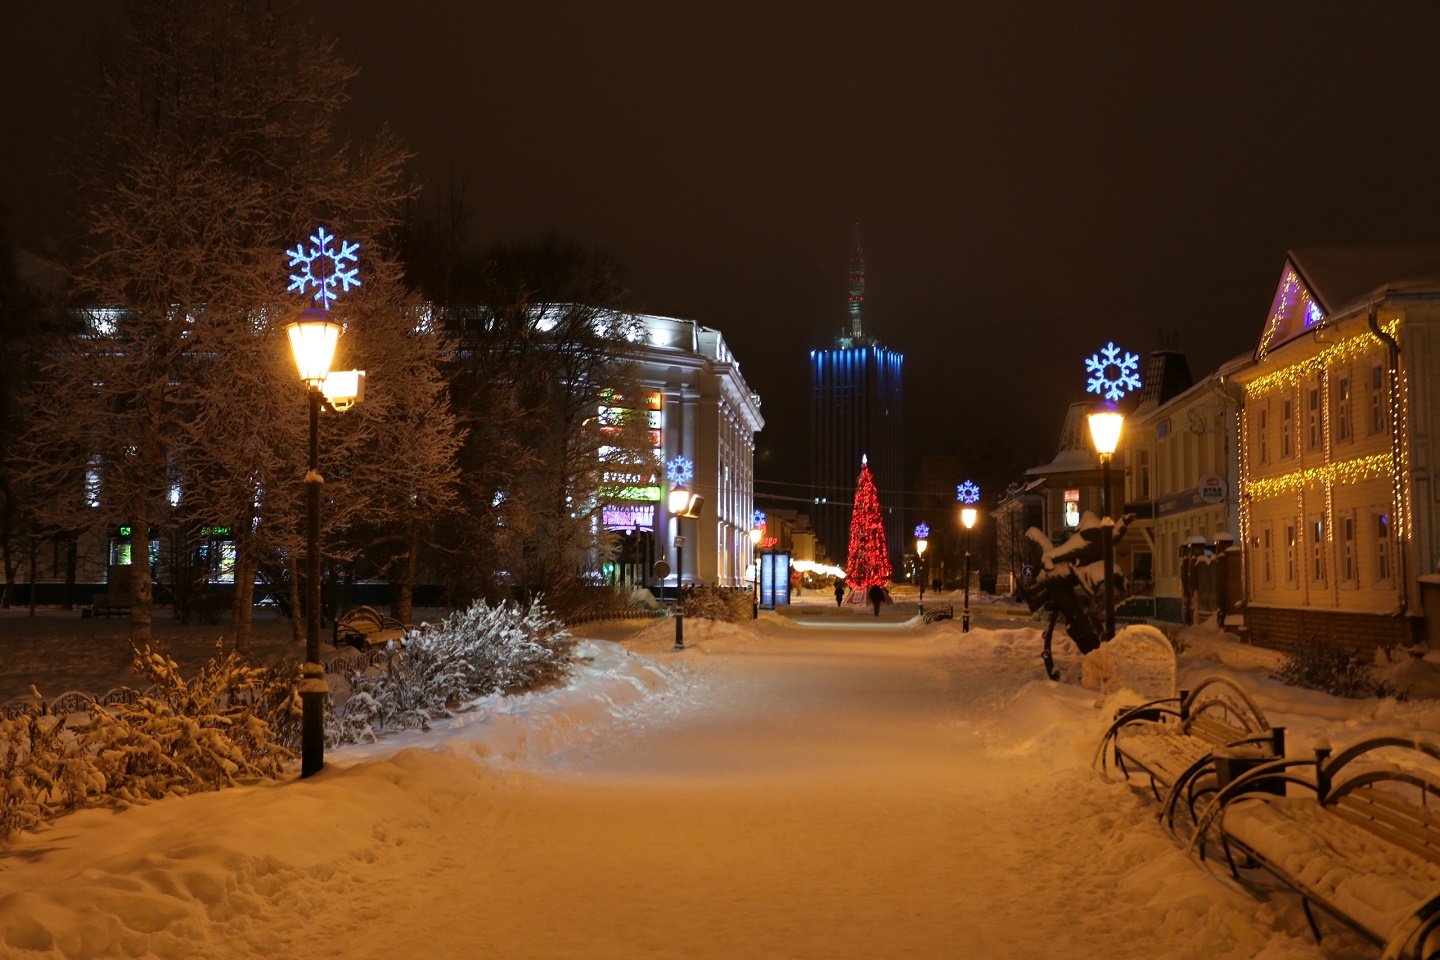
(1318, 282)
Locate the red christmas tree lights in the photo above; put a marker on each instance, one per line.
(868, 561)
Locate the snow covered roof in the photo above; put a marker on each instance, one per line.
(1075, 454)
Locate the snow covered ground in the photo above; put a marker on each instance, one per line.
(779, 789)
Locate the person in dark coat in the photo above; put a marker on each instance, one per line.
(839, 592)
(877, 597)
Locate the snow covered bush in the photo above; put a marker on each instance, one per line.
(180, 737)
(728, 605)
(1319, 664)
(480, 651)
(44, 768)
(183, 736)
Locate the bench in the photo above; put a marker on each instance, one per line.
(366, 627)
(1190, 745)
(109, 605)
(1360, 838)
(938, 612)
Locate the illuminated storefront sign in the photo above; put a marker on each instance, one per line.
(628, 517)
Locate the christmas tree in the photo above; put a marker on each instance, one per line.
(868, 562)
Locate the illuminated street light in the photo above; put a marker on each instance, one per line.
(1106, 422)
(968, 516)
(312, 342)
(682, 503)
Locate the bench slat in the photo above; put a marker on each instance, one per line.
(1424, 816)
(1358, 814)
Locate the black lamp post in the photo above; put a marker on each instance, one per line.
(968, 516)
(920, 544)
(756, 533)
(312, 341)
(1106, 421)
(682, 503)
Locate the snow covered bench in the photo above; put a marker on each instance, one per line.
(1192, 744)
(1362, 840)
(366, 627)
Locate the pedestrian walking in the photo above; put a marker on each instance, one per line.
(877, 597)
(839, 592)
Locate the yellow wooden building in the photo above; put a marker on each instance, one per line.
(1337, 504)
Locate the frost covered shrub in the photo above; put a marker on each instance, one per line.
(44, 769)
(474, 653)
(1319, 664)
(728, 605)
(184, 736)
(201, 734)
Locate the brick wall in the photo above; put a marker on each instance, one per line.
(1280, 628)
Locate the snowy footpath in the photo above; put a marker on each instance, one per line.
(776, 790)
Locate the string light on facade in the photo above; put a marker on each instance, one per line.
(1355, 470)
(1305, 370)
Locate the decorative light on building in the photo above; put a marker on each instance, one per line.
(967, 492)
(1301, 371)
(1355, 470)
(757, 520)
(1113, 372)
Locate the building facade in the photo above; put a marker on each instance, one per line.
(1338, 502)
(705, 413)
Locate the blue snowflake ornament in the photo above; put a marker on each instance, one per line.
(922, 531)
(680, 471)
(967, 492)
(757, 520)
(1125, 369)
(324, 268)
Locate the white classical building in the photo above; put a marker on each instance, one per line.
(700, 408)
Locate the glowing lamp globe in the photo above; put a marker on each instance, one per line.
(1106, 422)
(920, 546)
(679, 500)
(968, 516)
(755, 534)
(312, 341)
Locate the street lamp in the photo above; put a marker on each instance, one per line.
(968, 516)
(756, 532)
(312, 341)
(922, 531)
(682, 503)
(1106, 421)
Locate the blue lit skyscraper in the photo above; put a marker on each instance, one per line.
(857, 408)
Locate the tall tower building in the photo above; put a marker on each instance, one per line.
(857, 408)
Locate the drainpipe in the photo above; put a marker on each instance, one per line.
(1393, 365)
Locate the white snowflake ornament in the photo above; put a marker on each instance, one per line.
(324, 268)
(1113, 374)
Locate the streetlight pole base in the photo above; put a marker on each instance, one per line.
(313, 691)
(679, 630)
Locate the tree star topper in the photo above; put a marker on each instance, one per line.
(313, 265)
(967, 492)
(1126, 376)
(680, 471)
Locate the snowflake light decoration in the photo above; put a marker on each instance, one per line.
(757, 520)
(967, 492)
(680, 471)
(313, 264)
(922, 531)
(1126, 372)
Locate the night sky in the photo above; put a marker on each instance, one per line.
(1031, 181)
